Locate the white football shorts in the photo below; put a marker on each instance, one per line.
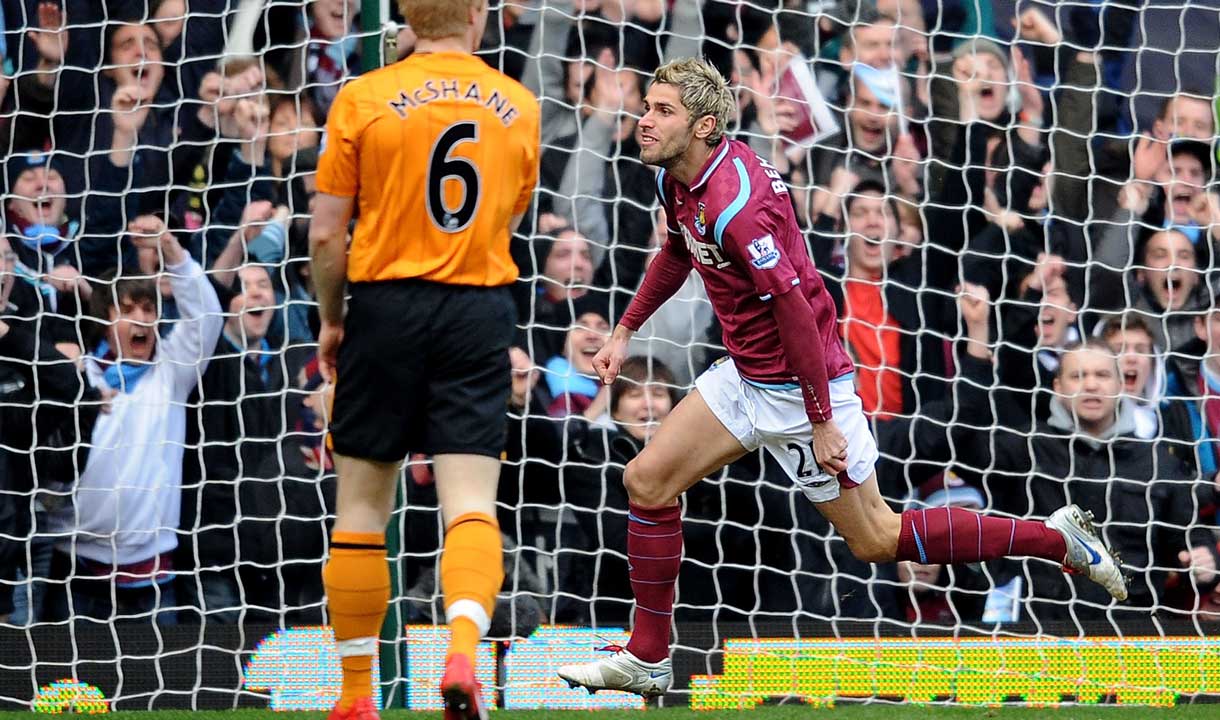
(774, 417)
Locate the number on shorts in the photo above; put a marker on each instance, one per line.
(441, 167)
(807, 467)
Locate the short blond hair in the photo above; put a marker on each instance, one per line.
(433, 19)
(702, 90)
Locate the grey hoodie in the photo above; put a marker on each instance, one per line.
(1062, 419)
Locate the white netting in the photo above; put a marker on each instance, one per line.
(1056, 160)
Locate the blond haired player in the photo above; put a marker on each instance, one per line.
(786, 385)
(439, 155)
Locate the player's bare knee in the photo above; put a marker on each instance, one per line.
(644, 487)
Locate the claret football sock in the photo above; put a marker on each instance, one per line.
(654, 556)
(357, 580)
(472, 571)
(956, 535)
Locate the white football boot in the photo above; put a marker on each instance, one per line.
(1087, 553)
(621, 671)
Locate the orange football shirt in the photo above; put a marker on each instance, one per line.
(440, 151)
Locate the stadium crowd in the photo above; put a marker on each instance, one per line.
(1019, 250)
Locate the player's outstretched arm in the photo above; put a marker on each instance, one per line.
(664, 277)
(328, 267)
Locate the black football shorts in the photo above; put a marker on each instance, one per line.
(423, 368)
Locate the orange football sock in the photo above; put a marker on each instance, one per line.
(472, 570)
(357, 580)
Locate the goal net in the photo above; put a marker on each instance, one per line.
(1013, 205)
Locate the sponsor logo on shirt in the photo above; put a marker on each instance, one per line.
(704, 253)
(763, 253)
(701, 220)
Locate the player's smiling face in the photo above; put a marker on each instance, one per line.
(666, 130)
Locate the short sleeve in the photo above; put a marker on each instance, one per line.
(754, 239)
(531, 158)
(338, 165)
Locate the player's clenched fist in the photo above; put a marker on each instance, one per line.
(829, 447)
(609, 360)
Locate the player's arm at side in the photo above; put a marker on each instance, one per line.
(338, 182)
(328, 253)
(751, 240)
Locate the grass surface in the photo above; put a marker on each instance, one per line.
(874, 711)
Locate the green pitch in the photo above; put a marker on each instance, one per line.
(785, 712)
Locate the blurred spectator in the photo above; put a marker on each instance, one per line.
(641, 397)
(1086, 453)
(1036, 328)
(47, 413)
(327, 46)
(48, 290)
(136, 146)
(1164, 284)
(1168, 191)
(563, 258)
(237, 417)
(572, 381)
(872, 144)
(1201, 388)
(1019, 231)
(609, 198)
(885, 325)
(117, 536)
(287, 508)
(1158, 414)
(293, 126)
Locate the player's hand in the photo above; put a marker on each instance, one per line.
(609, 360)
(330, 337)
(829, 447)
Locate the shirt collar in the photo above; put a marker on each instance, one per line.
(712, 163)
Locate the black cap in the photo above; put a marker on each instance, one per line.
(1200, 150)
(19, 162)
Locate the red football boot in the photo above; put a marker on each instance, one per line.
(462, 693)
(362, 709)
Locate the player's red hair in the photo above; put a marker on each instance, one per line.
(434, 19)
